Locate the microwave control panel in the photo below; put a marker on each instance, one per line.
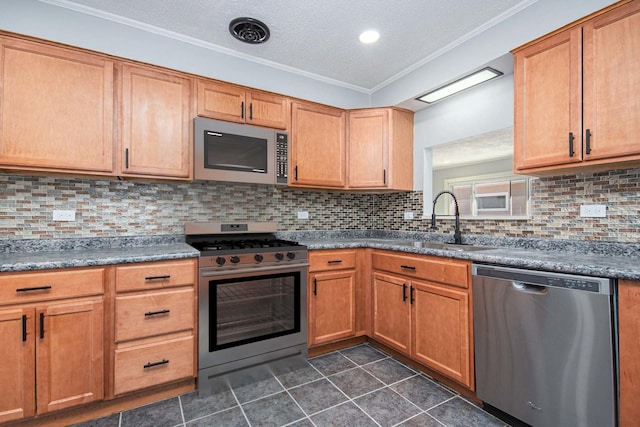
(282, 158)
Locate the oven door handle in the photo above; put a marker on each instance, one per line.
(254, 271)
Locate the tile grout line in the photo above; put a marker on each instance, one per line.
(240, 406)
(184, 422)
(294, 401)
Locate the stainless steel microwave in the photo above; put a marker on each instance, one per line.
(225, 151)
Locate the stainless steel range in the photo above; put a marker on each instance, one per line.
(252, 292)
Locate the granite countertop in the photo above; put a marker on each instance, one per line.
(592, 260)
(601, 259)
(43, 254)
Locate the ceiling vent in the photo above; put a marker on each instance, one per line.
(249, 30)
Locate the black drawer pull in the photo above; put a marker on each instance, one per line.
(155, 313)
(24, 327)
(408, 267)
(335, 261)
(404, 292)
(151, 365)
(41, 326)
(315, 286)
(571, 152)
(157, 277)
(412, 299)
(587, 141)
(38, 288)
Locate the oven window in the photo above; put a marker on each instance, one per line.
(234, 152)
(245, 310)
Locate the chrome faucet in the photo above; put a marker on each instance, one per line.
(457, 236)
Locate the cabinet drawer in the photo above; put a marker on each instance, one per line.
(443, 270)
(154, 313)
(155, 275)
(50, 285)
(152, 364)
(332, 260)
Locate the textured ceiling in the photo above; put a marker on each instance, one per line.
(476, 149)
(320, 37)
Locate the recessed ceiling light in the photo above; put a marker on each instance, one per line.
(370, 36)
(471, 80)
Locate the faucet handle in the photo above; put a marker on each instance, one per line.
(433, 221)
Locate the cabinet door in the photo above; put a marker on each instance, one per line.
(155, 121)
(332, 313)
(17, 370)
(69, 354)
(629, 345)
(392, 311)
(267, 110)
(441, 330)
(612, 83)
(368, 148)
(317, 146)
(221, 101)
(56, 109)
(548, 102)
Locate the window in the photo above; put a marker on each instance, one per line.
(489, 196)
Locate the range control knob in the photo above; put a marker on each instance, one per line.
(279, 256)
(258, 258)
(220, 260)
(234, 259)
(291, 255)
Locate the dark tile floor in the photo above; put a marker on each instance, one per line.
(356, 386)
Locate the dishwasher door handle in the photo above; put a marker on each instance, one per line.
(529, 288)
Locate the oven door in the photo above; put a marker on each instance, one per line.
(251, 316)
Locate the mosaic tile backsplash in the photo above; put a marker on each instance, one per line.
(110, 208)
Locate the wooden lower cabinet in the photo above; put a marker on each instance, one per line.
(333, 288)
(52, 348)
(629, 348)
(392, 311)
(155, 324)
(423, 318)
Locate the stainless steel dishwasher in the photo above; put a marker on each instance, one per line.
(544, 346)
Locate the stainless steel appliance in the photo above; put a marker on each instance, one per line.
(252, 293)
(235, 152)
(544, 346)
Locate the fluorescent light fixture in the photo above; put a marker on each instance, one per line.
(471, 80)
(370, 36)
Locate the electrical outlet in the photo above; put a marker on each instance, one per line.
(64, 215)
(303, 215)
(408, 215)
(593, 211)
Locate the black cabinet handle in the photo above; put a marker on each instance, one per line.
(157, 277)
(155, 313)
(242, 110)
(24, 327)
(41, 326)
(38, 288)
(335, 261)
(296, 174)
(315, 286)
(384, 176)
(587, 141)
(251, 111)
(411, 293)
(571, 152)
(126, 158)
(408, 267)
(151, 365)
(404, 292)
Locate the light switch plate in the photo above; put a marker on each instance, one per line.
(593, 211)
(408, 215)
(64, 215)
(303, 215)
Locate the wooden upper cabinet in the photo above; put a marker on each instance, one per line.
(56, 109)
(380, 149)
(317, 148)
(155, 123)
(236, 104)
(577, 96)
(611, 45)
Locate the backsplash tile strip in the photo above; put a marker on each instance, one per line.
(111, 208)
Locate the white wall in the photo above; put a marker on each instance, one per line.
(483, 109)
